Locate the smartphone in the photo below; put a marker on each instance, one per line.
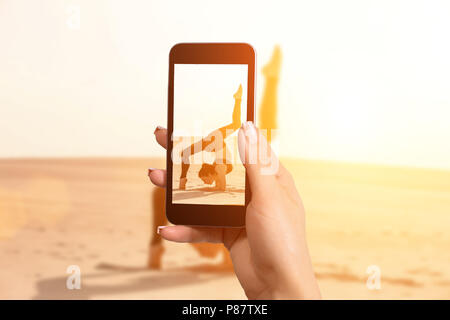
(211, 92)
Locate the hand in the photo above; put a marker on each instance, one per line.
(270, 255)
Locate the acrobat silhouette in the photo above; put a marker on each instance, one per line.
(214, 142)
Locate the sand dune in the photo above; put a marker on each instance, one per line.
(95, 213)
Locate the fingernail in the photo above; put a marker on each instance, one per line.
(250, 132)
(158, 128)
(158, 230)
(150, 171)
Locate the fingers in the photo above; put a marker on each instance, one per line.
(161, 136)
(258, 158)
(158, 177)
(191, 234)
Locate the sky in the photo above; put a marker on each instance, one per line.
(361, 81)
(203, 96)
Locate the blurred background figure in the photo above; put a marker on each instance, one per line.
(209, 250)
(267, 121)
(268, 110)
(157, 203)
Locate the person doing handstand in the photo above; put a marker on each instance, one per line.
(214, 142)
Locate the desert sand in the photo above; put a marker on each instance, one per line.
(95, 213)
(196, 190)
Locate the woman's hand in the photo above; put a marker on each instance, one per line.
(270, 255)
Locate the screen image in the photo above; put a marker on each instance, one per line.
(210, 104)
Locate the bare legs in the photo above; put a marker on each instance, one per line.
(268, 109)
(237, 108)
(159, 219)
(156, 251)
(158, 197)
(214, 142)
(227, 130)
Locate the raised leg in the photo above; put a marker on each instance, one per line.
(268, 109)
(237, 108)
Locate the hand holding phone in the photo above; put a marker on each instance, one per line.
(269, 252)
(211, 92)
(270, 255)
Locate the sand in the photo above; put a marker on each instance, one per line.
(95, 213)
(196, 193)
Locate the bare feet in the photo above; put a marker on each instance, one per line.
(155, 256)
(238, 94)
(183, 183)
(272, 68)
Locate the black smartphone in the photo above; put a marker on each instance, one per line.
(211, 92)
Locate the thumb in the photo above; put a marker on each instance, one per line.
(258, 158)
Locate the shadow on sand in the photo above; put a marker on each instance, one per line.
(190, 194)
(201, 192)
(137, 279)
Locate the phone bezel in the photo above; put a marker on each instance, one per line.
(208, 53)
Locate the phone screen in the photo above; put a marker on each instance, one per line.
(210, 104)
